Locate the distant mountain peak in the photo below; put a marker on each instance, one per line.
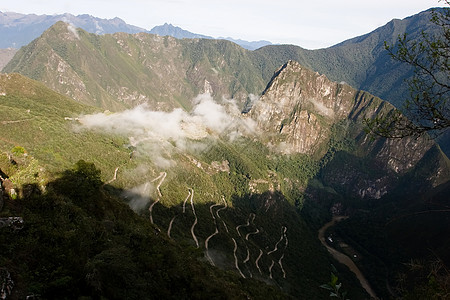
(176, 32)
(18, 29)
(179, 33)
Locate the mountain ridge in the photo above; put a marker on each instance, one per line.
(246, 192)
(343, 61)
(30, 26)
(193, 174)
(362, 62)
(179, 33)
(253, 177)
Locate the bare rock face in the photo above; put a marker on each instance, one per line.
(298, 108)
(299, 112)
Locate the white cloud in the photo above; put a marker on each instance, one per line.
(212, 114)
(72, 28)
(139, 196)
(157, 134)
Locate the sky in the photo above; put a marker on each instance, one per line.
(309, 24)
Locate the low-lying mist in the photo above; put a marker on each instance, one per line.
(158, 132)
(157, 135)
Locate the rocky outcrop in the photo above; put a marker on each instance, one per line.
(299, 112)
(299, 107)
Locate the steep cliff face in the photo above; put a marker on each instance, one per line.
(299, 107)
(302, 111)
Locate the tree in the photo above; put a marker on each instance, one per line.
(334, 287)
(427, 108)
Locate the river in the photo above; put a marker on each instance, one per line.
(344, 259)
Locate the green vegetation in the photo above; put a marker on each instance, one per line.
(334, 287)
(79, 241)
(18, 150)
(93, 235)
(426, 110)
(35, 118)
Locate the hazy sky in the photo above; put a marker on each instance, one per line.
(310, 24)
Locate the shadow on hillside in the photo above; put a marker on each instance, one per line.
(410, 221)
(80, 240)
(79, 234)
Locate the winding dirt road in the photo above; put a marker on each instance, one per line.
(185, 200)
(114, 177)
(170, 227)
(212, 235)
(283, 235)
(15, 121)
(344, 259)
(257, 261)
(219, 210)
(236, 263)
(270, 269)
(280, 260)
(251, 215)
(281, 265)
(161, 176)
(250, 233)
(195, 221)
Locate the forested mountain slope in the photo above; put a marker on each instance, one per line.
(162, 121)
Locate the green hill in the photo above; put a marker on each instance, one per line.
(41, 145)
(241, 192)
(245, 207)
(79, 242)
(120, 71)
(41, 121)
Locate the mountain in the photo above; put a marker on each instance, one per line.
(161, 118)
(244, 193)
(232, 187)
(142, 68)
(362, 62)
(18, 30)
(304, 112)
(71, 231)
(177, 32)
(248, 45)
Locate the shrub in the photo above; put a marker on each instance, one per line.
(18, 150)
